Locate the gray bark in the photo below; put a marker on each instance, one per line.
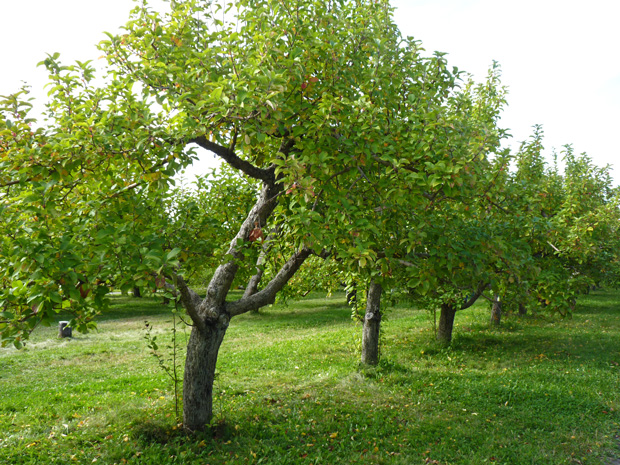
(254, 281)
(446, 323)
(372, 325)
(211, 315)
(202, 351)
(223, 277)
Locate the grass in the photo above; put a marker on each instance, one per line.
(289, 390)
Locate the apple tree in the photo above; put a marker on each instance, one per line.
(338, 124)
(570, 220)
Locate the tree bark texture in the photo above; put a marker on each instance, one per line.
(211, 315)
(496, 311)
(372, 325)
(202, 350)
(446, 323)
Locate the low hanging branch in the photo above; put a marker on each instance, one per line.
(474, 296)
(230, 157)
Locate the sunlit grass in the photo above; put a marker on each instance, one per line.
(538, 390)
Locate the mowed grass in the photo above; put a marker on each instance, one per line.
(538, 390)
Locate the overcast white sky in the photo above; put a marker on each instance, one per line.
(560, 58)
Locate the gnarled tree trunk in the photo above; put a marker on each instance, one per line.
(372, 325)
(446, 323)
(202, 350)
(211, 315)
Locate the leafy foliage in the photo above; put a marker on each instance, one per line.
(343, 141)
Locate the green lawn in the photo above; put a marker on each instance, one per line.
(289, 390)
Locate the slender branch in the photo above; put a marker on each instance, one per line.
(472, 299)
(191, 300)
(233, 142)
(254, 281)
(318, 196)
(498, 206)
(128, 188)
(230, 157)
(12, 183)
(267, 295)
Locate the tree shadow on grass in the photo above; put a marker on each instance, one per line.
(130, 307)
(601, 303)
(300, 314)
(586, 347)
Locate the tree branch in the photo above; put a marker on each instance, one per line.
(123, 190)
(254, 281)
(12, 183)
(230, 157)
(225, 273)
(268, 295)
(190, 300)
(472, 299)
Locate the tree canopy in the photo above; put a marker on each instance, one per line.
(342, 138)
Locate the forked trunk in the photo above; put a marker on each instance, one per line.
(496, 311)
(202, 350)
(211, 314)
(446, 323)
(372, 325)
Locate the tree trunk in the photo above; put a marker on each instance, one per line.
(372, 325)
(202, 350)
(522, 310)
(136, 292)
(572, 304)
(446, 323)
(211, 315)
(496, 311)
